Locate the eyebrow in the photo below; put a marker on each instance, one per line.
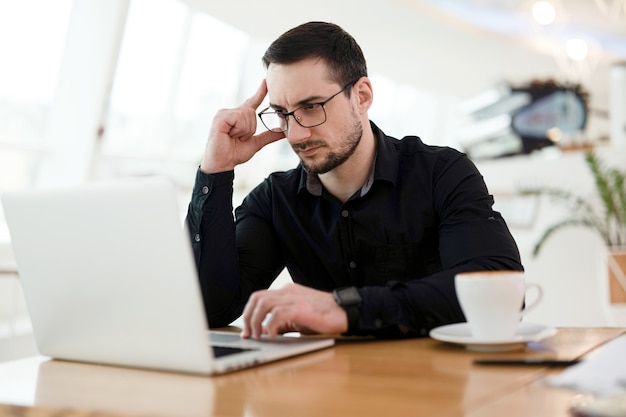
(308, 100)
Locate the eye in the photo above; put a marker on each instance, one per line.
(281, 115)
(310, 107)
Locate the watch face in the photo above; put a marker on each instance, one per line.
(347, 296)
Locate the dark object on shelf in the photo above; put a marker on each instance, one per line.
(520, 120)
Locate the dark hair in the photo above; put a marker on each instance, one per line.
(326, 41)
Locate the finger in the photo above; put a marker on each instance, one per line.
(247, 331)
(278, 322)
(262, 139)
(243, 125)
(284, 320)
(258, 97)
(256, 310)
(267, 137)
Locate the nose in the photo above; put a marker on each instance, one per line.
(297, 133)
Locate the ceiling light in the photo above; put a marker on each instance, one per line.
(576, 49)
(544, 12)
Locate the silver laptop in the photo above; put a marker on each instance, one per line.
(108, 277)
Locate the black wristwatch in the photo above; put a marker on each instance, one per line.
(350, 300)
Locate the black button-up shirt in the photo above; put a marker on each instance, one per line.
(424, 215)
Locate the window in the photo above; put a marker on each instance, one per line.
(167, 86)
(32, 39)
(148, 75)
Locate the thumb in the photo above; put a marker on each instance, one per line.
(267, 137)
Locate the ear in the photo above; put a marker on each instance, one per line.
(364, 94)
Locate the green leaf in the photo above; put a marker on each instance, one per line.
(609, 222)
(563, 224)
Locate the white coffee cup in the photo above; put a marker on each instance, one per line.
(492, 302)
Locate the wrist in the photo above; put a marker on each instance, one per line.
(214, 168)
(349, 299)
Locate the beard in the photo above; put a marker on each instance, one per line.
(337, 157)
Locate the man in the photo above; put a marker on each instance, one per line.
(371, 229)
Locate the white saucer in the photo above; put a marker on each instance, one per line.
(460, 333)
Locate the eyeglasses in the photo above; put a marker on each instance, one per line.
(309, 115)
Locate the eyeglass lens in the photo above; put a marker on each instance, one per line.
(310, 115)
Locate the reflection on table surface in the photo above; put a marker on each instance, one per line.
(365, 378)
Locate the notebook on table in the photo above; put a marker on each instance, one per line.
(108, 277)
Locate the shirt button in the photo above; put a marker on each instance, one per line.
(345, 213)
(378, 323)
(205, 190)
(352, 264)
(196, 237)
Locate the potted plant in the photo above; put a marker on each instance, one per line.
(608, 219)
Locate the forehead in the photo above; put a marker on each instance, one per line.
(289, 84)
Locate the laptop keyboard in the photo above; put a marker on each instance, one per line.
(220, 351)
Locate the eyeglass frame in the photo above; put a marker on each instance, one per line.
(292, 113)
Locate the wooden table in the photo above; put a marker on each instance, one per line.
(418, 377)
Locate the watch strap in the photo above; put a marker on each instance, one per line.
(349, 299)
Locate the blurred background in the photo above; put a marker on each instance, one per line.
(93, 90)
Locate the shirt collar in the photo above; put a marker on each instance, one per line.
(385, 166)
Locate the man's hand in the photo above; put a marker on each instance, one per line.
(293, 308)
(232, 140)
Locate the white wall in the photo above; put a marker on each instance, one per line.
(415, 45)
(571, 267)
